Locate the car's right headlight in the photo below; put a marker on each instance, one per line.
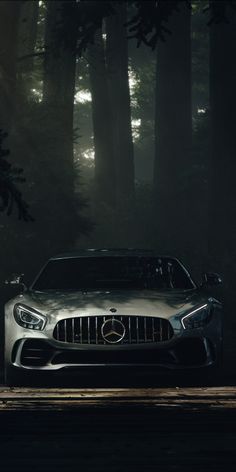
(29, 317)
(198, 317)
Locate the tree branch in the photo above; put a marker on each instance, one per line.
(27, 56)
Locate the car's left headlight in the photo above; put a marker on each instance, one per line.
(29, 317)
(197, 318)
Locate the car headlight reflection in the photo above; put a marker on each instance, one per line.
(197, 318)
(28, 317)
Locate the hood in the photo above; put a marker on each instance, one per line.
(146, 303)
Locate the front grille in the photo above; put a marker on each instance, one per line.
(88, 329)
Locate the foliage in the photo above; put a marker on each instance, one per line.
(147, 25)
(9, 193)
(221, 11)
(87, 17)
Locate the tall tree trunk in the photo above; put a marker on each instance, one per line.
(222, 230)
(59, 68)
(27, 37)
(173, 135)
(102, 123)
(117, 66)
(56, 160)
(9, 18)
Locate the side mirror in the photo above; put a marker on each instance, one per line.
(16, 279)
(210, 279)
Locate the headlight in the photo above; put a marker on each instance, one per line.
(197, 318)
(28, 317)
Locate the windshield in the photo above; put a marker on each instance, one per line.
(99, 273)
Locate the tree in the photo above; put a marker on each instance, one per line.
(173, 134)
(9, 17)
(27, 37)
(59, 72)
(10, 177)
(117, 67)
(143, 68)
(102, 123)
(57, 112)
(222, 227)
(200, 57)
(46, 134)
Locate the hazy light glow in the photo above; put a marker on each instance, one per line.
(201, 111)
(88, 154)
(136, 129)
(83, 96)
(132, 84)
(37, 94)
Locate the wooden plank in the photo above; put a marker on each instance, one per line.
(116, 392)
(64, 398)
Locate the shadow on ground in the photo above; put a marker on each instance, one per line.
(124, 378)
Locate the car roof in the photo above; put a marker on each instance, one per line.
(108, 252)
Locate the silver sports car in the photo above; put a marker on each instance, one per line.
(103, 307)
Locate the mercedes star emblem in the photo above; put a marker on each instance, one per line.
(113, 331)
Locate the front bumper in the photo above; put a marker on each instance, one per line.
(41, 354)
(49, 350)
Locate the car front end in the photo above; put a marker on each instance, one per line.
(54, 332)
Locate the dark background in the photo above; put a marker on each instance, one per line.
(120, 122)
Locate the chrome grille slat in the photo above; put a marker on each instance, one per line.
(129, 329)
(73, 330)
(121, 319)
(88, 330)
(138, 329)
(81, 330)
(65, 330)
(104, 319)
(96, 330)
(153, 335)
(145, 329)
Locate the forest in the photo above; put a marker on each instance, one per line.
(118, 130)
